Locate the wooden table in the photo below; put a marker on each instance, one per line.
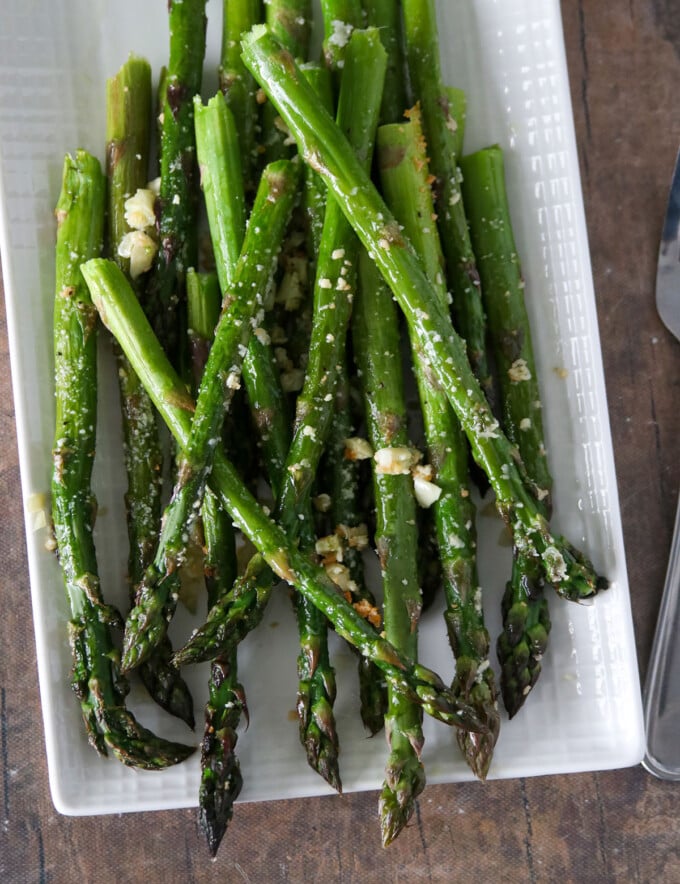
(624, 60)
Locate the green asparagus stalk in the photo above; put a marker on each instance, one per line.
(324, 147)
(128, 112)
(526, 619)
(386, 16)
(178, 199)
(404, 178)
(223, 188)
(458, 112)
(358, 109)
(357, 117)
(236, 82)
(96, 677)
(221, 778)
(377, 351)
(121, 312)
(242, 311)
(340, 18)
(422, 55)
(291, 21)
(343, 475)
(319, 79)
(204, 301)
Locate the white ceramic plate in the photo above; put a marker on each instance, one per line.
(585, 712)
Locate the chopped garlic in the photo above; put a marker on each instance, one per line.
(233, 381)
(519, 371)
(262, 335)
(426, 492)
(355, 535)
(357, 449)
(139, 209)
(525, 423)
(322, 502)
(368, 612)
(423, 471)
(331, 543)
(396, 461)
(140, 249)
(340, 575)
(342, 31)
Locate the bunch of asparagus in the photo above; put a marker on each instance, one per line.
(318, 257)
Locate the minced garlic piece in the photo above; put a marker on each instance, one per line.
(139, 209)
(262, 335)
(233, 381)
(396, 461)
(37, 505)
(356, 536)
(140, 249)
(331, 543)
(368, 612)
(342, 31)
(357, 449)
(340, 575)
(426, 492)
(519, 371)
(322, 502)
(423, 471)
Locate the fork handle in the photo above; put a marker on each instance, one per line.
(662, 688)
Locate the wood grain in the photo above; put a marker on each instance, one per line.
(624, 61)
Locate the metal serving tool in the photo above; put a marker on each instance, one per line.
(662, 689)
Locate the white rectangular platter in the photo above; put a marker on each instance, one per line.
(585, 711)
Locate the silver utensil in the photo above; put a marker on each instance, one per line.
(661, 697)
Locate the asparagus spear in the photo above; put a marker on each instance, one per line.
(242, 309)
(343, 475)
(315, 190)
(223, 188)
(221, 778)
(324, 147)
(458, 111)
(96, 677)
(358, 107)
(236, 82)
(291, 21)
(386, 16)
(526, 619)
(121, 312)
(422, 54)
(128, 112)
(340, 18)
(178, 199)
(375, 329)
(404, 177)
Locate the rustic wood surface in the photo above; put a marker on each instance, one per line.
(624, 61)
